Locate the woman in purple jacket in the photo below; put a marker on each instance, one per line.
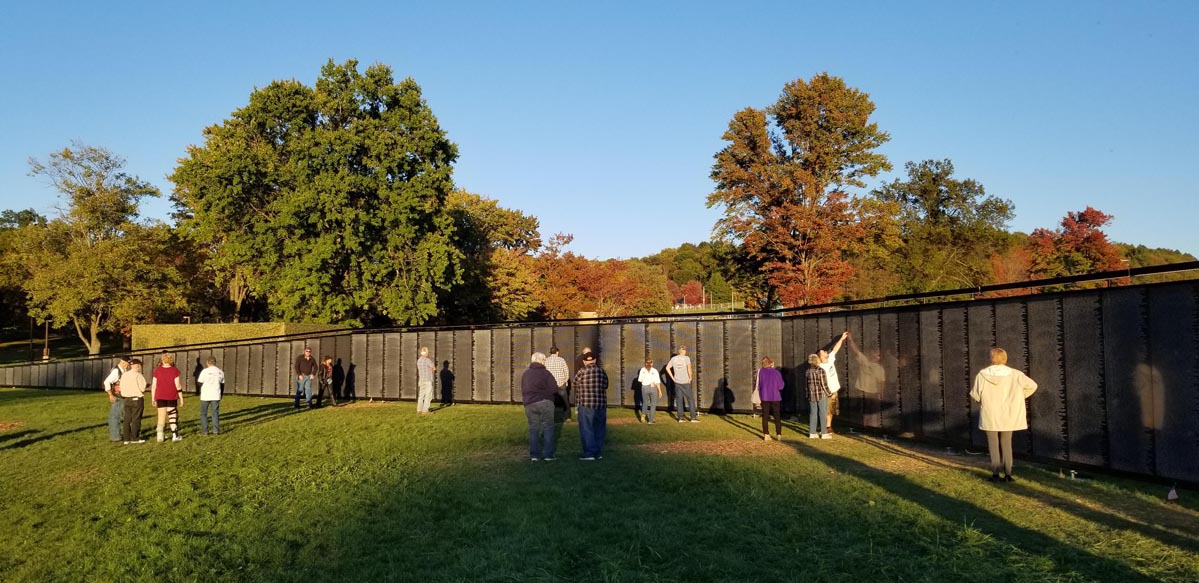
(770, 390)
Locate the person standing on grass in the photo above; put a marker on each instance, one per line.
(557, 367)
(591, 393)
(167, 393)
(425, 369)
(818, 395)
(679, 370)
(133, 389)
(116, 404)
(571, 393)
(210, 379)
(305, 369)
(324, 378)
(651, 390)
(1001, 392)
(769, 387)
(537, 390)
(828, 363)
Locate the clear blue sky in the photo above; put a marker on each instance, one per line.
(601, 118)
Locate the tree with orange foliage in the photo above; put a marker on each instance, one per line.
(1079, 247)
(781, 181)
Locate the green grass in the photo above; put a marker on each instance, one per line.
(374, 492)
(16, 349)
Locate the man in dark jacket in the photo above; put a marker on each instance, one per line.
(537, 390)
(306, 367)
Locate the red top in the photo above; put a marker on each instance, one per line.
(166, 375)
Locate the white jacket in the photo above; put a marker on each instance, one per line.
(1001, 391)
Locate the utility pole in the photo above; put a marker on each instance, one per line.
(46, 346)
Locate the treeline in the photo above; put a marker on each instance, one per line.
(335, 203)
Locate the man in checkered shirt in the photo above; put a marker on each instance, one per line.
(591, 395)
(557, 367)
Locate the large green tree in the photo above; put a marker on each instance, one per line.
(97, 266)
(782, 182)
(949, 227)
(329, 201)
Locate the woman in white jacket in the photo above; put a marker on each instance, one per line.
(1001, 392)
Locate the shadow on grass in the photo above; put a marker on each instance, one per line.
(10, 436)
(953, 510)
(739, 423)
(46, 436)
(1151, 522)
(251, 415)
(22, 394)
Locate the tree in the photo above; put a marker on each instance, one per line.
(1079, 247)
(782, 183)
(329, 201)
(571, 284)
(96, 266)
(693, 292)
(497, 272)
(13, 271)
(950, 227)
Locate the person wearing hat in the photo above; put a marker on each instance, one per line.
(591, 395)
(116, 404)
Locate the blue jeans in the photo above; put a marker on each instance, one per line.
(818, 418)
(216, 416)
(649, 403)
(541, 429)
(684, 396)
(305, 387)
(593, 427)
(116, 413)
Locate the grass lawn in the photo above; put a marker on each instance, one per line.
(16, 349)
(374, 492)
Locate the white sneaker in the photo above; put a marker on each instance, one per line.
(765, 438)
(159, 438)
(778, 437)
(813, 436)
(826, 436)
(177, 438)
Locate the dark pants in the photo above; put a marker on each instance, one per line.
(593, 427)
(1000, 445)
(772, 408)
(116, 412)
(567, 393)
(541, 429)
(131, 426)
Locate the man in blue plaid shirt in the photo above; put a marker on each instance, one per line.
(591, 396)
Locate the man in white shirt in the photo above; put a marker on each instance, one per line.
(116, 405)
(651, 390)
(557, 367)
(679, 371)
(210, 379)
(828, 360)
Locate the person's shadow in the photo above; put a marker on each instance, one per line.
(723, 398)
(638, 399)
(446, 376)
(339, 379)
(351, 393)
(196, 374)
